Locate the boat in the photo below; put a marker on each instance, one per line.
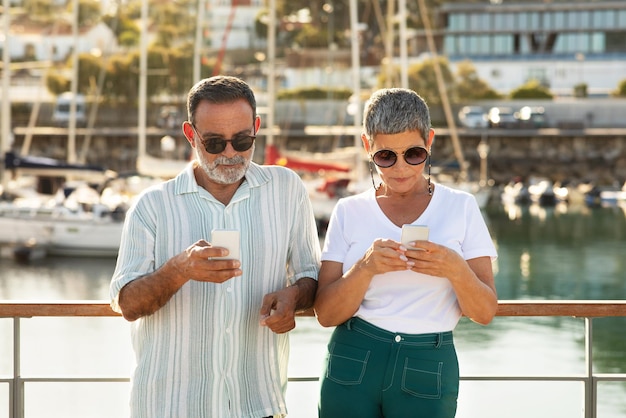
(73, 222)
(56, 208)
(606, 196)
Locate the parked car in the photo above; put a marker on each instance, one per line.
(473, 117)
(531, 117)
(502, 117)
(169, 117)
(61, 113)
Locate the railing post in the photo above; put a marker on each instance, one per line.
(18, 389)
(590, 382)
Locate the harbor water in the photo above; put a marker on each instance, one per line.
(551, 253)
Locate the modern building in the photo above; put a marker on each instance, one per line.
(560, 44)
(231, 24)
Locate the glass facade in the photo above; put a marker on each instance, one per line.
(485, 31)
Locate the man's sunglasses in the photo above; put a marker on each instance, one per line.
(386, 158)
(240, 142)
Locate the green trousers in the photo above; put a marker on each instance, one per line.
(373, 373)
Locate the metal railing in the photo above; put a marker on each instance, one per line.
(570, 308)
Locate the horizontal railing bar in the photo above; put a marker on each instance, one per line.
(576, 308)
(525, 378)
(76, 379)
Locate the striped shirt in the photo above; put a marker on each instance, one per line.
(204, 353)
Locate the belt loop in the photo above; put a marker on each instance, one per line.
(349, 324)
(439, 340)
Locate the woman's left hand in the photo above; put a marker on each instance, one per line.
(472, 279)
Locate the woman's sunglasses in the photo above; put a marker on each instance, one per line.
(386, 158)
(240, 142)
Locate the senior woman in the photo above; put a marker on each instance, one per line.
(395, 305)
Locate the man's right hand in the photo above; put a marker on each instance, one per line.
(197, 262)
(147, 294)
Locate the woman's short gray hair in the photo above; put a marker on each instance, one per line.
(395, 110)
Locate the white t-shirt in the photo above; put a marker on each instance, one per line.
(407, 301)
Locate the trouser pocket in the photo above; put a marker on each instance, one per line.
(346, 365)
(422, 378)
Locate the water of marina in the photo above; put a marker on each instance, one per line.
(544, 253)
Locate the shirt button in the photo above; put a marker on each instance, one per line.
(398, 338)
(229, 289)
(227, 330)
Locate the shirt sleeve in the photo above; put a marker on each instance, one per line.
(136, 254)
(304, 244)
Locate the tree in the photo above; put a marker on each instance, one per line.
(423, 80)
(470, 86)
(621, 89)
(533, 89)
(89, 12)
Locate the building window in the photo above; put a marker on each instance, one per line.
(615, 42)
(621, 19)
(597, 42)
(502, 45)
(559, 20)
(457, 22)
(504, 21)
(450, 45)
(539, 74)
(600, 19)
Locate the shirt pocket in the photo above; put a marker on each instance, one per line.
(346, 364)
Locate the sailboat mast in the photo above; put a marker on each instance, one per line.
(71, 140)
(5, 141)
(143, 82)
(271, 74)
(443, 91)
(356, 85)
(197, 56)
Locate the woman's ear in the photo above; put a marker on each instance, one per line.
(366, 143)
(431, 138)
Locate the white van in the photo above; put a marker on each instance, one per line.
(61, 113)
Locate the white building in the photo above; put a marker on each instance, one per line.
(232, 25)
(560, 44)
(55, 42)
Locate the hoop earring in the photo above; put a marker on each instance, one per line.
(372, 176)
(430, 187)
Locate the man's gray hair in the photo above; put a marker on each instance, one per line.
(395, 110)
(219, 89)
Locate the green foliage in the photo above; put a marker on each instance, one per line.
(122, 80)
(580, 90)
(124, 28)
(312, 37)
(423, 80)
(533, 89)
(314, 93)
(56, 83)
(470, 87)
(88, 12)
(40, 10)
(90, 68)
(261, 24)
(621, 89)
(128, 39)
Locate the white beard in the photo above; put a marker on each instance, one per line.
(220, 171)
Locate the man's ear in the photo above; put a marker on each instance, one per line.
(189, 133)
(257, 124)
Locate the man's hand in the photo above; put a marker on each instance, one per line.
(278, 311)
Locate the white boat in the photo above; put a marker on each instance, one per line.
(60, 229)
